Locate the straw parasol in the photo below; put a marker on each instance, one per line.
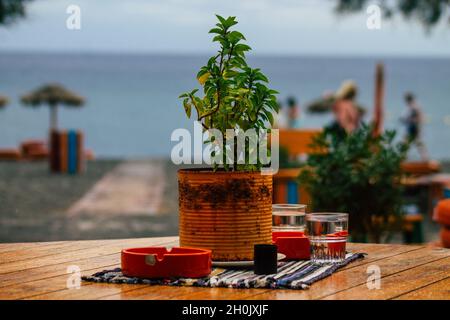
(52, 95)
(325, 104)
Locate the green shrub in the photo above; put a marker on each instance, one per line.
(360, 174)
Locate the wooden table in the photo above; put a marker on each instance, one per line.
(39, 271)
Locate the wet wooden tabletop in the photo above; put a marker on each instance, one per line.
(40, 271)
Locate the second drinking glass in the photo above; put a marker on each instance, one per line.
(327, 233)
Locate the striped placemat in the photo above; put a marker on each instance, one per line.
(291, 275)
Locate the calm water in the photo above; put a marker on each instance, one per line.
(132, 105)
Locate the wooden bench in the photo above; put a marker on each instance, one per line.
(10, 154)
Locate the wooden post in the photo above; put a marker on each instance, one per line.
(379, 100)
(53, 117)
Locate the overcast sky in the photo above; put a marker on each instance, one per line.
(281, 27)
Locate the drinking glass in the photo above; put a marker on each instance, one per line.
(288, 217)
(327, 233)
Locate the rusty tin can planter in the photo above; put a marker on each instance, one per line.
(225, 212)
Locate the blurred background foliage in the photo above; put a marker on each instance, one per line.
(427, 12)
(11, 10)
(360, 174)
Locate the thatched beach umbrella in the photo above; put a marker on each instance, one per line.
(321, 105)
(325, 104)
(3, 101)
(52, 95)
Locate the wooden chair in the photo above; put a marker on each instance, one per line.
(285, 185)
(427, 176)
(413, 228)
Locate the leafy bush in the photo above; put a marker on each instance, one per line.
(235, 96)
(360, 174)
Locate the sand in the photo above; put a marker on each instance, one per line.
(34, 205)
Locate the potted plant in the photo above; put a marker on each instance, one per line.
(360, 174)
(227, 207)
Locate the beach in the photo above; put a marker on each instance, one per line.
(36, 204)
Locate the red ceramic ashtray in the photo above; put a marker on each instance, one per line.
(160, 262)
(293, 244)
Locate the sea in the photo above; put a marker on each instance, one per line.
(132, 103)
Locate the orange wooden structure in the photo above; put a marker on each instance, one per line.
(10, 154)
(419, 168)
(34, 150)
(66, 151)
(426, 175)
(285, 186)
(298, 142)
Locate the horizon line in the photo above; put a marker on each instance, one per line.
(208, 53)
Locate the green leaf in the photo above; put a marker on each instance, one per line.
(187, 107)
(235, 37)
(216, 30)
(221, 19)
(259, 76)
(240, 47)
(270, 117)
(230, 21)
(218, 38)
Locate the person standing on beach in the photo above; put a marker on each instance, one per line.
(413, 122)
(280, 121)
(293, 113)
(347, 118)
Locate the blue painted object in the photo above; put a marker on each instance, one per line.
(447, 193)
(292, 192)
(72, 149)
